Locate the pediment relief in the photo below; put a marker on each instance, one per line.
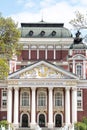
(41, 71)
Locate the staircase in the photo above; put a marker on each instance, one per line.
(24, 128)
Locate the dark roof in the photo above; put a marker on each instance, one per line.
(44, 30)
(42, 24)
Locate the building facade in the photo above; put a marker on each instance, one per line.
(47, 84)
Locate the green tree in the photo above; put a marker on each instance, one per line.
(4, 69)
(9, 37)
(81, 125)
(80, 21)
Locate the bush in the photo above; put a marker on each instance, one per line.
(4, 123)
(80, 126)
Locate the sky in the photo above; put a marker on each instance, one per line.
(57, 11)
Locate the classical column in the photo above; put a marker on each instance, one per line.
(16, 106)
(74, 105)
(9, 106)
(74, 66)
(84, 69)
(37, 53)
(46, 52)
(54, 52)
(50, 122)
(67, 106)
(33, 112)
(29, 53)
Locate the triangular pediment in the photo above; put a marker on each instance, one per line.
(42, 69)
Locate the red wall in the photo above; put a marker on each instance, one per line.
(83, 113)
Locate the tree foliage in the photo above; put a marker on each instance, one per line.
(80, 21)
(4, 123)
(9, 37)
(81, 125)
(4, 69)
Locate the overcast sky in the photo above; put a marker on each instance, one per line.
(60, 11)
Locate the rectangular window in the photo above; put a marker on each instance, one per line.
(41, 54)
(33, 54)
(25, 54)
(4, 99)
(41, 99)
(79, 99)
(79, 70)
(50, 54)
(58, 99)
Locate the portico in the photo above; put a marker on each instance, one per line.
(46, 101)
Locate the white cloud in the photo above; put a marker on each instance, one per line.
(46, 3)
(61, 12)
(29, 4)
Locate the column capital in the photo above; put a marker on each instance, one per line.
(9, 88)
(50, 88)
(74, 88)
(67, 88)
(16, 88)
(33, 88)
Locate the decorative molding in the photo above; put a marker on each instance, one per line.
(71, 83)
(42, 71)
(12, 82)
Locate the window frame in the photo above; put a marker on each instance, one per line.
(28, 99)
(79, 70)
(4, 99)
(45, 101)
(80, 100)
(62, 99)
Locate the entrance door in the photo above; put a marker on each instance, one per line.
(41, 120)
(24, 120)
(58, 120)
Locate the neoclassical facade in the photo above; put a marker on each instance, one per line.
(47, 83)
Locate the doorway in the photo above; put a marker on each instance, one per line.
(58, 120)
(24, 120)
(42, 120)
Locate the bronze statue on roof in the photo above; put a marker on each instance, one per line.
(78, 39)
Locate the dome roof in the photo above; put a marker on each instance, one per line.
(45, 30)
(78, 46)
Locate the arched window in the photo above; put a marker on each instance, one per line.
(25, 99)
(58, 99)
(42, 99)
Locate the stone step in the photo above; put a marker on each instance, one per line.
(44, 128)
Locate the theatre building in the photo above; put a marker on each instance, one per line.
(47, 83)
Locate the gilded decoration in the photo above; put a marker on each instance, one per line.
(71, 83)
(41, 71)
(12, 82)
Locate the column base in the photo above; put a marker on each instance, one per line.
(50, 125)
(33, 125)
(16, 125)
(69, 127)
